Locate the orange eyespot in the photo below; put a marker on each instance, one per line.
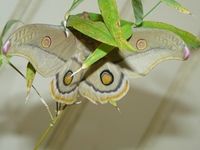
(141, 44)
(106, 77)
(46, 42)
(67, 80)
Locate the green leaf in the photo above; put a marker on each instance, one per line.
(99, 53)
(30, 75)
(97, 17)
(111, 19)
(7, 27)
(152, 9)
(92, 19)
(176, 5)
(104, 49)
(1, 44)
(191, 40)
(138, 11)
(94, 16)
(73, 6)
(95, 30)
(1, 59)
(90, 24)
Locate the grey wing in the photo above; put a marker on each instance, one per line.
(104, 83)
(46, 46)
(154, 46)
(64, 87)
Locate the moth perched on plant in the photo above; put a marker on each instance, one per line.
(52, 52)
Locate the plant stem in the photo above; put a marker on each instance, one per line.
(41, 99)
(43, 137)
(152, 9)
(47, 131)
(13, 66)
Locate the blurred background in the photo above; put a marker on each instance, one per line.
(161, 110)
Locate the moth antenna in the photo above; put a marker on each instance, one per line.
(65, 28)
(64, 23)
(66, 32)
(67, 16)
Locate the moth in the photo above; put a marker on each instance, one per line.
(53, 53)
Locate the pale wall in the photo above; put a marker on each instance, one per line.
(169, 94)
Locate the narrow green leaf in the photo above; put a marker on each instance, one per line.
(94, 16)
(7, 27)
(152, 9)
(90, 24)
(111, 19)
(95, 30)
(97, 17)
(191, 40)
(1, 44)
(30, 75)
(99, 53)
(104, 49)
(176, 5)
(1, 59)
(82, 21)
(138, 11)
(73, 6)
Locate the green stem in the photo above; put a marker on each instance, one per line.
(51, 125)
(45, 134)
(41, 99)
(152, 9)
(13, 66)
(43, 137)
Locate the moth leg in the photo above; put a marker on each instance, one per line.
(64, 106)
(57, 108)
(113, 103)
(47, 107)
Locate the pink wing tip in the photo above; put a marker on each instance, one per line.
(6, 46)
(186, 53)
